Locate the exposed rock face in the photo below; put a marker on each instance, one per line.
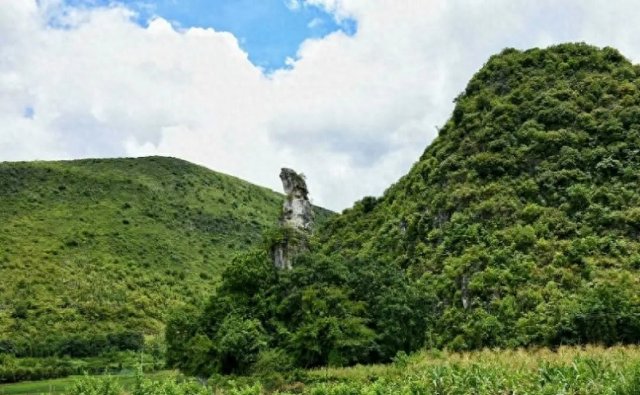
(297, 212)
(296, 221)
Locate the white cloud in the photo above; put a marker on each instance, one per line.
(352, 112)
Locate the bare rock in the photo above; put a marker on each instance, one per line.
(296, 221)
(297, 211)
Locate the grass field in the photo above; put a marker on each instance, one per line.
(57, 386)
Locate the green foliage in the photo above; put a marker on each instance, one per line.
(145, 386)
(105, 246)
(519, 223)
(262, 320)
(95, 253)
(238, 343)
(108, 385)
(569, 371)
(14, 369)
(577, 371)
(91, 386)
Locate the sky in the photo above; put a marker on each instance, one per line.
(349, 92)
(269, 31)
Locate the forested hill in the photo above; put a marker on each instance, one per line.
(522, 218)
(95, 248)
(519, 226)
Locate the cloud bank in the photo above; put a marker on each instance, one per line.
(351, 112)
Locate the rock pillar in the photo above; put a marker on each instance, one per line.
(296, 220)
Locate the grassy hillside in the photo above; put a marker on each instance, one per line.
(95, 253)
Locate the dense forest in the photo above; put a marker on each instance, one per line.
(517, 227)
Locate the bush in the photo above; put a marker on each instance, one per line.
(106, 385)
(238, 343)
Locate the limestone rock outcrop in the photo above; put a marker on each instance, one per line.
(296, 221)
(297, 212)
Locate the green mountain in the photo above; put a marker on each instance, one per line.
(96, 253)
(522, 218)
(519, 226)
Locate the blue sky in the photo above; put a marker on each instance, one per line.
(270, 31)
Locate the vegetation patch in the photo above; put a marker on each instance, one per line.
(95, 254)
(517, 227)
(567, 370)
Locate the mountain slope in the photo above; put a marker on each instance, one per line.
(523, 216)
(98, 247)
